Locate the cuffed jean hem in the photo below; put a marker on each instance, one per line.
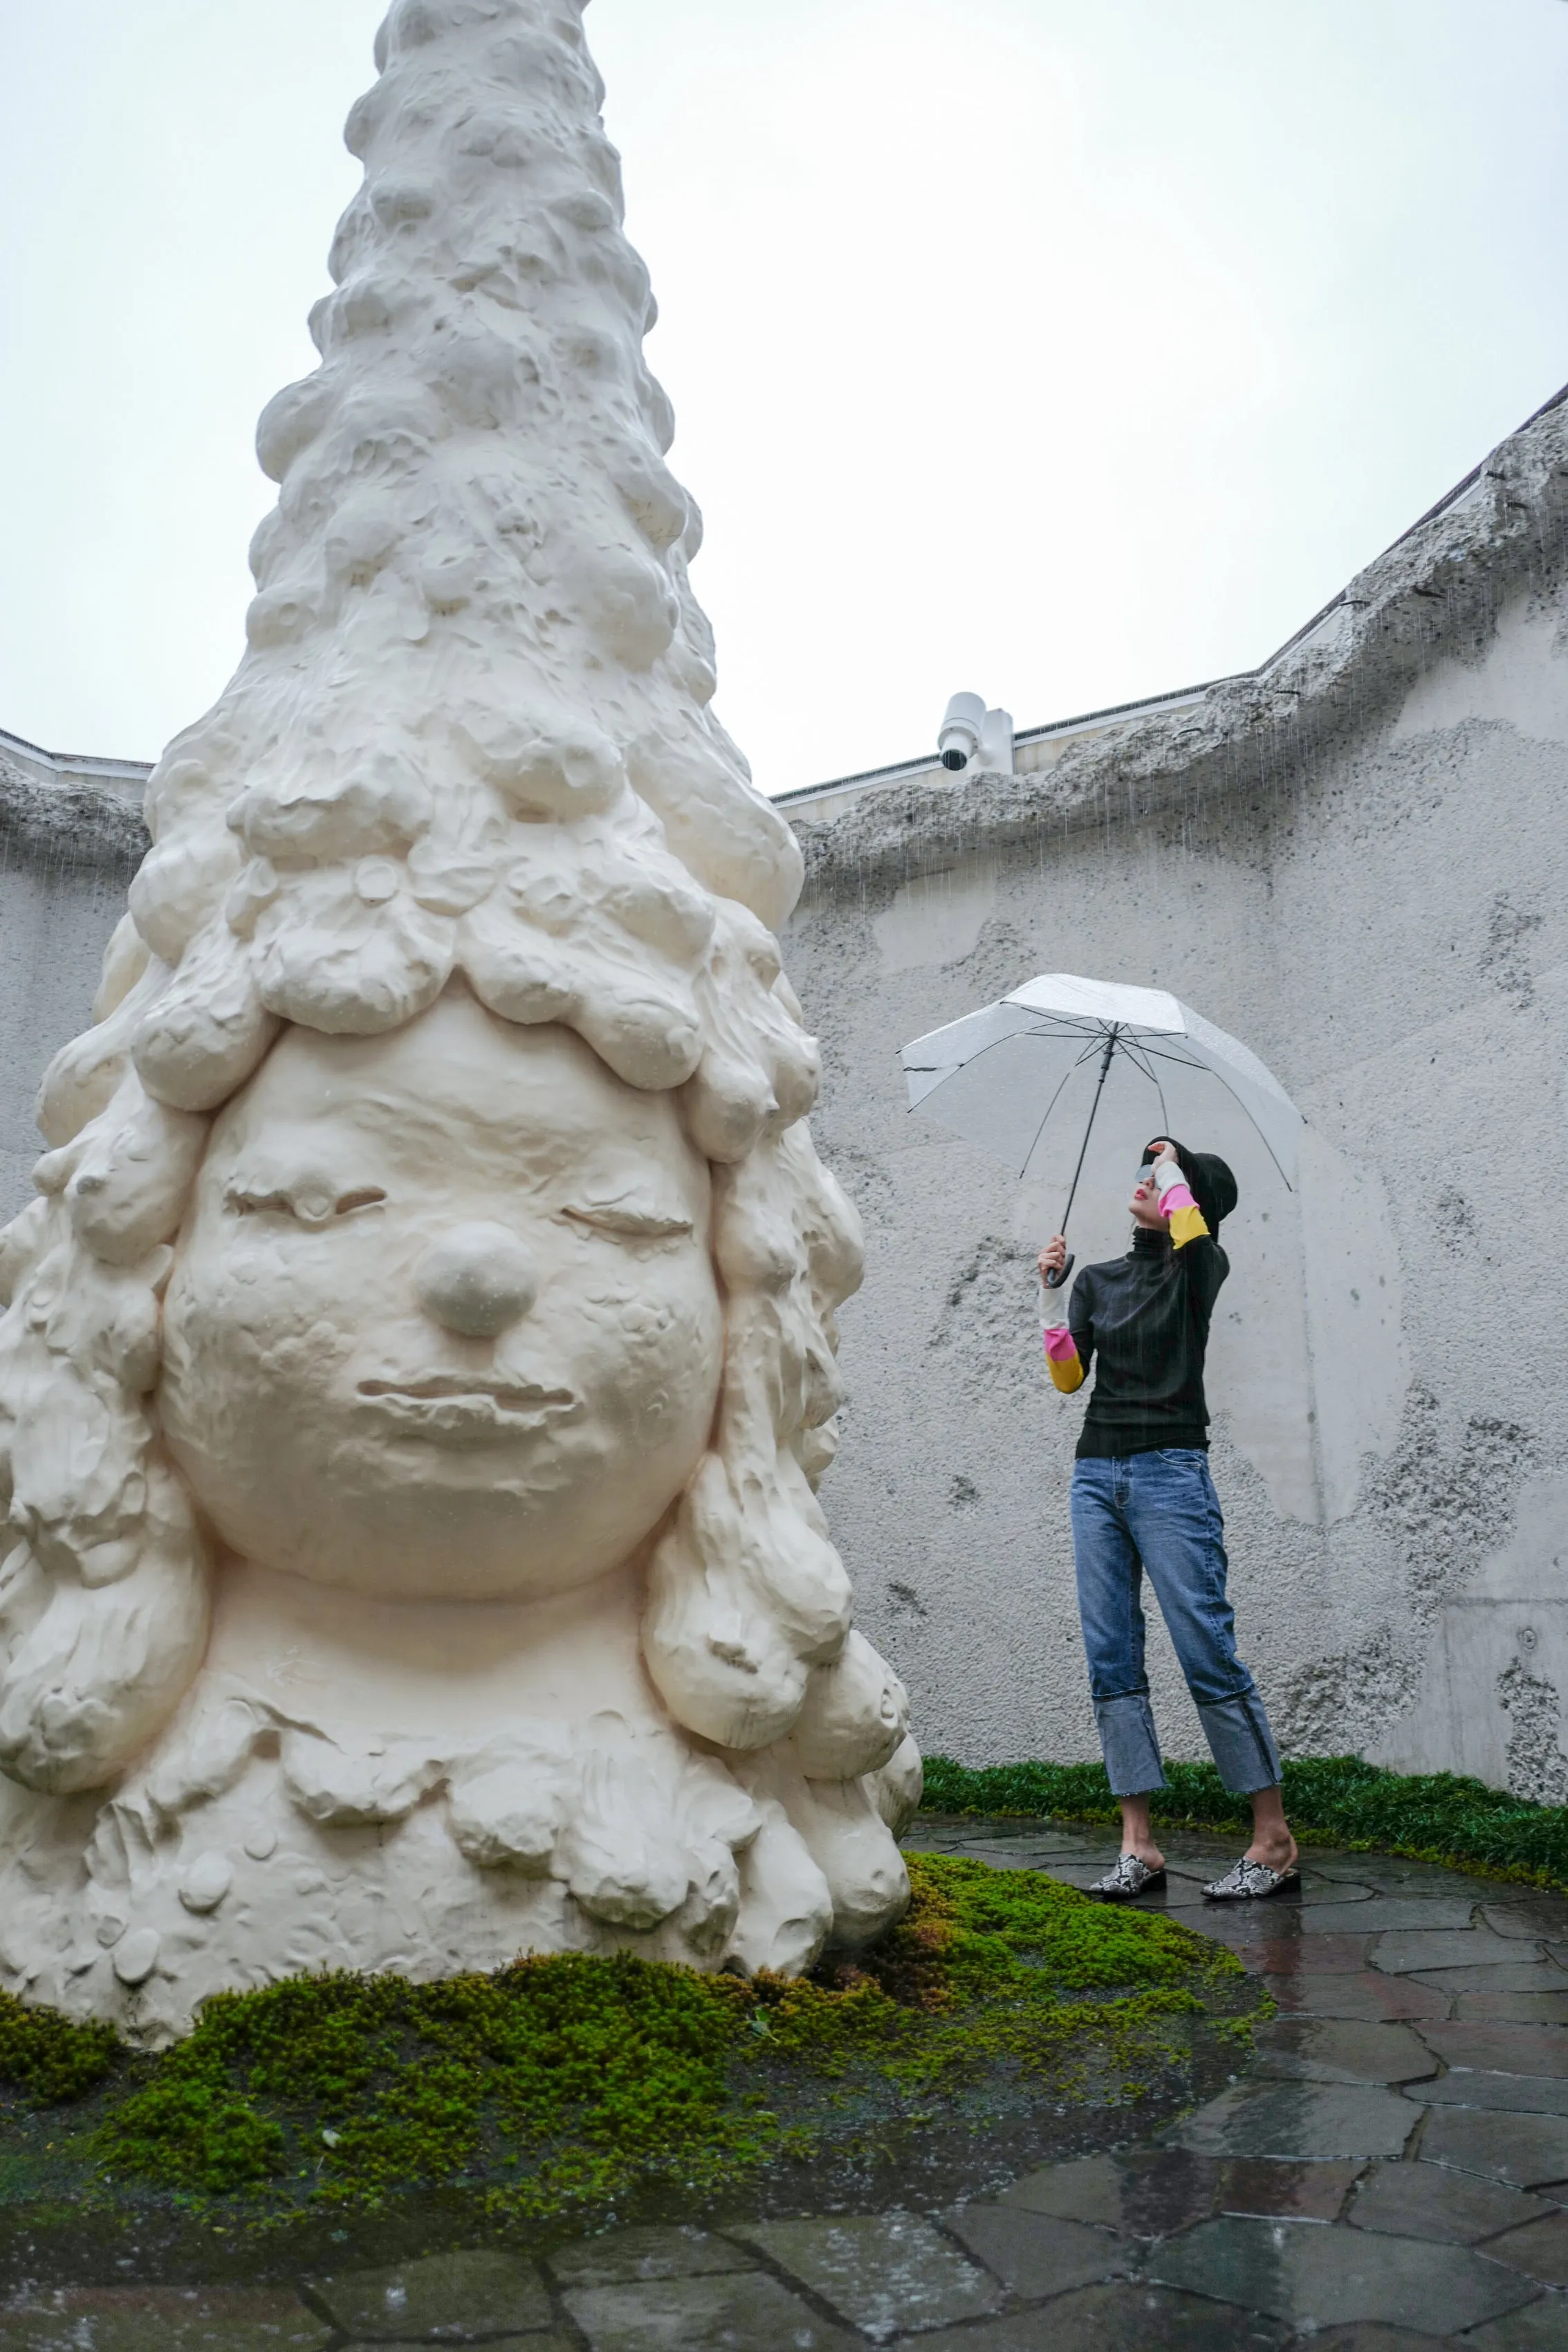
(1236, 1730)
(1130, 1743)
(1240, 1742)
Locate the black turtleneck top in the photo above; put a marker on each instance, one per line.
(1144, 1319)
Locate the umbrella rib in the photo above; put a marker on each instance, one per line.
(1050, 1107)
(1162, 1054)
(951, 1069)
(1138, 1055)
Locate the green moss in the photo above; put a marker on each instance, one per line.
(558, 2081)
(1331, 1800)
(49, 2060)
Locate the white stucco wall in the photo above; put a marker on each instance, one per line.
(1354, 860)
(70, 837)
(1388, 927)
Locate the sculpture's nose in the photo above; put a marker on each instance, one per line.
(477, 1280)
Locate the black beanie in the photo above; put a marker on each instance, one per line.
(1208, 1180)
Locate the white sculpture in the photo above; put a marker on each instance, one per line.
(419, 1360)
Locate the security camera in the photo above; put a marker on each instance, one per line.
(972, 736)
(960, 738)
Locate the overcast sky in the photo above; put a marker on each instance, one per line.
(1065, 353)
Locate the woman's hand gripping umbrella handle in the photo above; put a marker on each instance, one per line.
(1056, 1263)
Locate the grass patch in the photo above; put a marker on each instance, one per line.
(1330, 1800)
(560, 2082)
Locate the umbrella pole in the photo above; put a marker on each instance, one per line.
(1106, 1060)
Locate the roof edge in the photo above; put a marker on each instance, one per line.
(1505, 524)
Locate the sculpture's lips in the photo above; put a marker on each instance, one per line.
(463, 1409)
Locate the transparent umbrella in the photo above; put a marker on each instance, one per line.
(997, 1076)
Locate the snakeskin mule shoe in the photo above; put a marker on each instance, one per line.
(1130, 1877)
(1250, 1882)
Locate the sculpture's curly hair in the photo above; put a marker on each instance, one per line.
(470, 739)
(103, 1598)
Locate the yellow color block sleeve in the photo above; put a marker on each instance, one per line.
(1179, 1210)
(1187, 1225)
(1061, 1356)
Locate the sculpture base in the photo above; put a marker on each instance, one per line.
(321, 1805)
(965, 2042)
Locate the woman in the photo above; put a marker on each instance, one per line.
(1143, 1498)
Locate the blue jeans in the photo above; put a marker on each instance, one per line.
(1159, 1511)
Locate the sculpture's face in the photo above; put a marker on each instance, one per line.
(442, 1321)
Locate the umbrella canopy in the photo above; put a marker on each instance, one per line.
(997, 1076)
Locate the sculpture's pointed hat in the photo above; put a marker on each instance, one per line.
(470, 740)
(471, 733)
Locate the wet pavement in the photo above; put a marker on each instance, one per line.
(1391, 2171)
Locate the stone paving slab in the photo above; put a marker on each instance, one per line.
(1365, 1995)
(1540, 2327)
(650, 2253)
(1148, 2193)
(1274, 1955)
(1116, 2319)
(1540, 2249)
(1321, 2278)
(1520, 1976)
(1394, 1876)
(1035, 2254)
(149, 2318)
(1534, 1917)
(143, 2320)
(447, 2299)
(1334, 2049)
(882, 2272)
(1241, 1933)
(1527, 2151)
(1382, 1914)
(1156, 2192)
(1507, 2049)
(1413, 1950)
(1305, 2120)
(1319, 1886)
(1430, 2200)
(1514, 2007)
(743, 2312)
(1262, 2187)
(1475, 2086)
(1370, 2335)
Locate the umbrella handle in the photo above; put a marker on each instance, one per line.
(1058, 1275)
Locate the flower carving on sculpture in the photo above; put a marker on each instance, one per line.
(419, 1360)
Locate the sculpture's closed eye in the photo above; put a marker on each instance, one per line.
(309, 1206)
(630, 1222)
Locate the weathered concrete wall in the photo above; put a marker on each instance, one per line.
(69, 841)
(1358, 865)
